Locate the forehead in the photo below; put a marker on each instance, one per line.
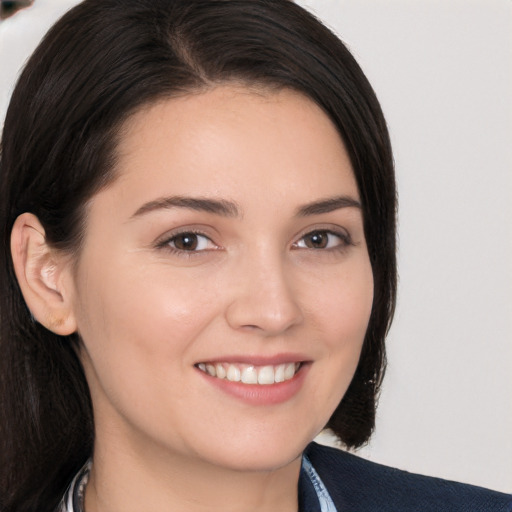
(231, 139)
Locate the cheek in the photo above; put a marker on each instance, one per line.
(343, 312)
(138, 303)
(140, 327)
(342, 306)
(137, 328)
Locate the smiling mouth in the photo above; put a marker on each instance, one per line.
(251, 374)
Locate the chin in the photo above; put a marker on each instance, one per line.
(256, 453)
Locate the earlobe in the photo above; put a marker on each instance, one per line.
(43, 275)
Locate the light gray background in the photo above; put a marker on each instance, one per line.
(443, 73)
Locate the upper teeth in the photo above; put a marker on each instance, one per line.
(249, 374)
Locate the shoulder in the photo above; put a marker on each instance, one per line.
(358, 484)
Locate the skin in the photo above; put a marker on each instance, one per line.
(256, 285)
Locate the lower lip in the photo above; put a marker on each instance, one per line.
(261, 394)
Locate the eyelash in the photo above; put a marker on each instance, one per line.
(343, 237)
(166, 243)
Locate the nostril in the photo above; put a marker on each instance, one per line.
(251, 316)
(264, 302)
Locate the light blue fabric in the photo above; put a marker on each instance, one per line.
(325, 500)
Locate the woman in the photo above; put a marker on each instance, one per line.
(198, 216)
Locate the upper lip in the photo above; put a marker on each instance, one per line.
(258, 360)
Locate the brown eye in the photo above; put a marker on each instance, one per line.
(324, 239)
(191, 242)
(317, 240)
(186, 241)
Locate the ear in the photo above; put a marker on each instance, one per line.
(44, 275)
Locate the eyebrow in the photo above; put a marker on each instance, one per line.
(216, 206)
(327, 205)
(230, 209)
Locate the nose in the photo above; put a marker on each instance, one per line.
(264, 299)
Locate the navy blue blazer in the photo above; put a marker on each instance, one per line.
(358, 485)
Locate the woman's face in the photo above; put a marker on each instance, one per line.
(230, 247)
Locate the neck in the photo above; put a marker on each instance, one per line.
(132, 481)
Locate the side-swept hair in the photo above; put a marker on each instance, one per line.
(98, 65)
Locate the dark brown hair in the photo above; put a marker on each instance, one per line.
(99, 64)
